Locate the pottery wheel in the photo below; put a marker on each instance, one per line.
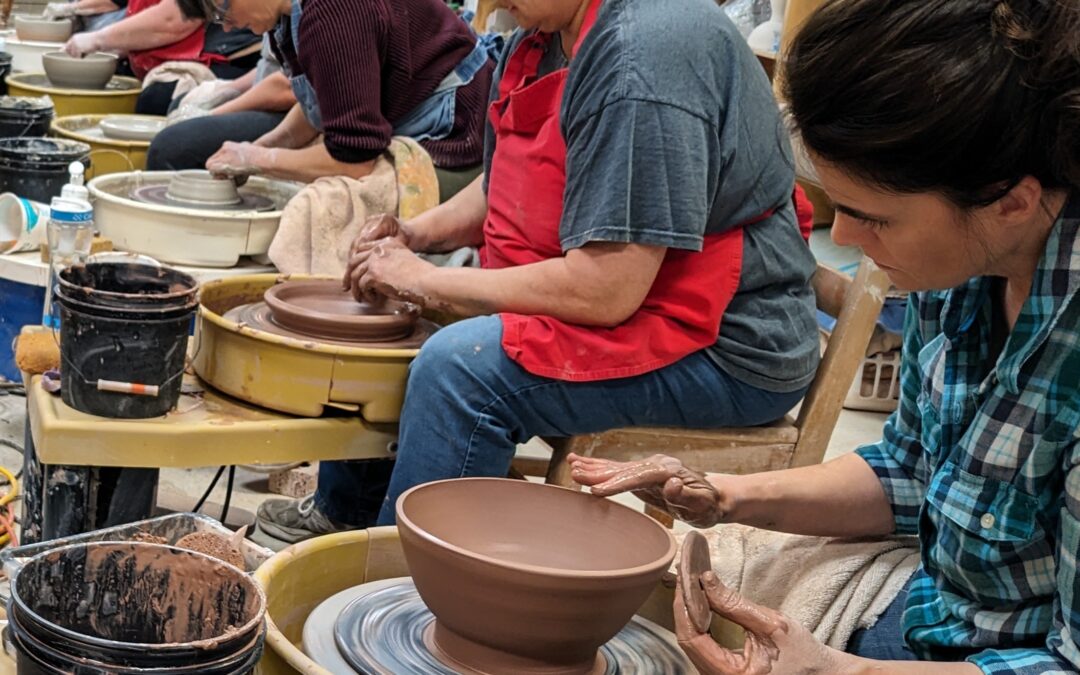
(382, 627)
(257, 315)
(158, 194)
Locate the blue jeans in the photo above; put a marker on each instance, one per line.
(884, 641)
(468, 405)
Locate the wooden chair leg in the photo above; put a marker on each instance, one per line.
(515, 474)
(558, 470)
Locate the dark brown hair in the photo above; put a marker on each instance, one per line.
(196, 9)
(960, 97)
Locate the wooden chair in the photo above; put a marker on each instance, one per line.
(788, 443)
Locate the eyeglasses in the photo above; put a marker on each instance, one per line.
(220, 12)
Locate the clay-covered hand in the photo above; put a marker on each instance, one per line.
(237, 159)
(660, 481)
(379, 227)
(81, 44)
(385, 269)
(775, 645)
(60, 10)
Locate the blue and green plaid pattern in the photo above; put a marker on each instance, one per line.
(979, 459)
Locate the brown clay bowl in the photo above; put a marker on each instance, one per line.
(40, 29)
(525, 577)
(92, 71)
(320, 308)
(196, 186)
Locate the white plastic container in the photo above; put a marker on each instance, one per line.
(22, 224)
(876, 386)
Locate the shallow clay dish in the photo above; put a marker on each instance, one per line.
(693, 562)
(92, 71)
(524, 577)
(38, 29)
(131, 127)
(322, 309)
(199, 187)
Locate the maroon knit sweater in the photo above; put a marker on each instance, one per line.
(371, 62)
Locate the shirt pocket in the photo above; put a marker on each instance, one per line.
(977, 529)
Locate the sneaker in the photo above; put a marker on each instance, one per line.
(283, 522)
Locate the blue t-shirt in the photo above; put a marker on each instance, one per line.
(672, 133)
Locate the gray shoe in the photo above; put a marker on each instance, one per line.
(284, 522)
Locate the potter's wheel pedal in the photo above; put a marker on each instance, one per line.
(379, 628)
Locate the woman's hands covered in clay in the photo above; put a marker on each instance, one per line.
(238, 159)
(385, 268)
(774, 644)
(660, 481)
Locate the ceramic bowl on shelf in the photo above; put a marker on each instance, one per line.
(92, 71)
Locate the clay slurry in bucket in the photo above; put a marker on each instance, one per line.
(123, 337)
(105, 606)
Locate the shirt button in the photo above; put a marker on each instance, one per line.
(987, 521)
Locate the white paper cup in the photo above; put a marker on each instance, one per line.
(22, 224)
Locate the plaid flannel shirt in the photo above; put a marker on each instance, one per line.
(980, 461)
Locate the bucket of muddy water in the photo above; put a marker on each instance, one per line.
(123, 337)
(127, 607)
(24, 115)
(37, 168)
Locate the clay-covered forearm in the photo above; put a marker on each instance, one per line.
(308, 164)
(597, 285)
(293, 132)
(272, 94)
(158, 26)
(841, 498)
(451, 225)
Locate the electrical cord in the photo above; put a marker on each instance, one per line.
(7, 515)
(206, 495)
(228, 494)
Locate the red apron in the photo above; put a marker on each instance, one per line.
(681, 313)
(188, 49)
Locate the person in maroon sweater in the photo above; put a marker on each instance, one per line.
(362, 71)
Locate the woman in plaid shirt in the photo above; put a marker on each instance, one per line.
(948, 136)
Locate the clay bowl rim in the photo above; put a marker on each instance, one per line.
(661, 563)
(193, 178)
(251, 625)
(408, 315)
(60, 56)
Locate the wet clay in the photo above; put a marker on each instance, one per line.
(384, 628)
(147, 538)
(212, 544)
(257, 316)
(528, 577)
(321, 308)
(693, 562)
(140, 593)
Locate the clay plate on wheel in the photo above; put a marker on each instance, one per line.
(323, 309)
(131, 127)
(694, 562)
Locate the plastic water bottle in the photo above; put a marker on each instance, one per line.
(70, 232)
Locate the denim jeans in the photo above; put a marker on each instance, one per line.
(884, 641)
(188, 144)
(467, 406)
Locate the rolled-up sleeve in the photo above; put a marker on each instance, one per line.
(898, 458)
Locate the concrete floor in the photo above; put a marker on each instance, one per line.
(179, 489)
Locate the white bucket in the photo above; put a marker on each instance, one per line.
(22, 224)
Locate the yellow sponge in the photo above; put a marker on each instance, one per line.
(37, 352)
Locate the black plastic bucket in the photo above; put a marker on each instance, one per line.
(123, 325)
(125, 285)
(37, 168)
(126, 607)
(23, 115)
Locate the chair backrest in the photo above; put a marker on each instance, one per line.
(856, 305)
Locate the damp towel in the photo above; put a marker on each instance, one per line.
(833, 587)
(319, 224)
(186, 74)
